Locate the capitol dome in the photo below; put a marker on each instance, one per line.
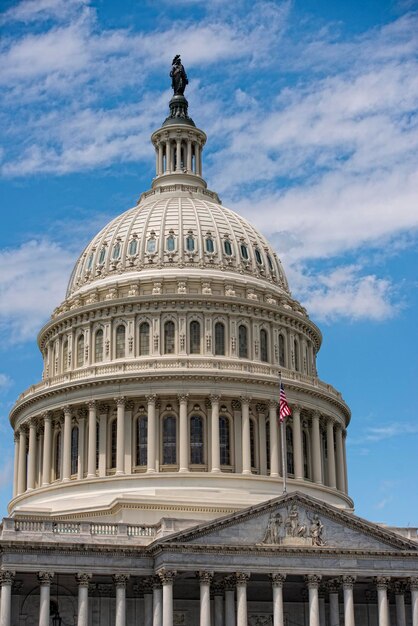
(161, 367)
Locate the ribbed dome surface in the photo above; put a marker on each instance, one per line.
(177, 230)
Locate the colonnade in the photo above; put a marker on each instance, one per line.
(179, 154)
(107, 440)
(229, 593)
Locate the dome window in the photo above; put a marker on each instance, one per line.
(171, 243)
(210, 246)
(90, 261)
(190, 243)
(228, 247)
(258, 256)
(244, 252)
(116, 251)
(151, 245)
(102, 256)
(133, 247)
(270, 262)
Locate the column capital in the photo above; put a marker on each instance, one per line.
(121, 580)
(182, 397)
(296, 408)
(103, 409)
(16, 436)
(91, 404)
(261, 408)
(7, 577)
(382, 582)
(218, 588)
(241, 579)
(245, 399)
(214, 398)
(229, 583)
(45, 578)
(413, 583)
(33, 422)
(205, 577)
(166, 576)
(236, 405)
(333, 586)
(348, 581)
(67, 410)
(277, 579)
(273, 404)
(46, 416)
(120, 401)
(83, 579)
(156, 582)
(329, 420)
(147, 585)
(399, 587)
(151, 399)
(313, 580)
(129, 405)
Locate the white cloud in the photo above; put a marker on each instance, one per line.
(5, 382)
(34, 10)
(388, 431)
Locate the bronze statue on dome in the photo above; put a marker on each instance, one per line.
(178, 76)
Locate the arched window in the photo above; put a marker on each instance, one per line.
(224, 440)
(133, 247)
(264, 350)
(144, 339)
(220, 338)
(194, 337)
(65, 356)
(210, 246)
(227, 247)
(116, 251)
(243, 341)
(171, 243)
(244, 251)
(141, 440)
(268, 444)
(196, 440)
(258, 256)
(102, 256)
(58, 456)
(253, 438)
(289, 450)
(80, 351)
(169, 440)
(74, 450)
(98, 346)
(151, 245)
(296, 353)
(113, 443)
(90, 261)
(120, 341)
(270, 262)
(190, 243)
(169, 338)
(305, 454)
(281, 351)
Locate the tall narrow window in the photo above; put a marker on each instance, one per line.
(296, 354)
(220, 338)
(281, 351)
(171, 243)
(264, 351)
(224, 440)
(270, 262)
(98, 346)
(268, 444)
(141, 440)
(144, 339)
(102, 256)
(196, 440)
(258, 256)
(244, 251)
(243, 342)
(116, 251)
(289, 450)
(169, 440)
(190, 243)
(58, 456)
(210, 247)
(133, 247)
(194, 337)
(252, 444)
(74, 450)
(80, 351)
(227, 247)
(120, 341)
(113, 443)
(65, 356)
(169, 338)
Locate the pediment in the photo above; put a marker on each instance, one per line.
(294, 521)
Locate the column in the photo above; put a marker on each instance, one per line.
(47, 454)
(215, 443)
(413, 585)
(129, 435)
(120, 436)
(218, 604)
(103, 411)
(45, 579)
(348, 585)
(205, 581)
(334, 609)
(66, 452)
(6, 581)
(400, 589)
(92, 443)
(199, 160)
(241, 580)
(147, 587)
(297, 443)
(16, 465)
(168, 155)
(382, 583)
(321, 594)
(120, 581)
(345, 461)
(277, 581)
(160, 159)
(157, 597)
(151, 430)
(32, 454)
(83, 599)
(22, 460)
(189, 155)
(178, 155)
(316, 450)
(331, 454)
(167, 579)
(246, 450)
(340, 457)
(81, 445)
(183, 434)
(274, 440)
(229, 586)
(313, 581)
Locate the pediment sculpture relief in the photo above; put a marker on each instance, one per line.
(297, 528)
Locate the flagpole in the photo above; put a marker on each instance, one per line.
(283, 442)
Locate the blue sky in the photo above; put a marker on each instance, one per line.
(311, 112)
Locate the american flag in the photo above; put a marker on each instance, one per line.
(284, 408)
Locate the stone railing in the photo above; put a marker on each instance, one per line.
(180, 187)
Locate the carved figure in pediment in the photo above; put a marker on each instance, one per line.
(292, 525)
(316, 531)
(272, 534)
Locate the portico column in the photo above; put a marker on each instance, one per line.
(340, 458)
(103, 412)
(413, 585)
(382, 600)
(334, 609)
(83, 599)
(215, 443)
(47, 450)
(45, 579)
(120, 436)
(316, 449)
(229, 586)
(92, 443)
(218, 604)
(400, 589)
(22, 460)
(183, 434)
(297, 443)
(66, 453)
(313, 581)
(167, 579)
(16, 465)
(348, 584)
(274, 441)
(277, 581)
(321, 594)
(246, 449)
(157, 604)
(147, 587)
(205, 579)
(178, 155)
(331, 453)
(151, 431)
(241, 580)
(81, 446)
(120, 583)
(32, 454)
(6, 580)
